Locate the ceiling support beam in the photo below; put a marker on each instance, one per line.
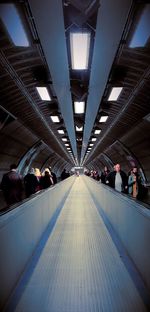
(51, 32)
(111, 21)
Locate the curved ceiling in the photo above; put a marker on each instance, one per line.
(46, 61)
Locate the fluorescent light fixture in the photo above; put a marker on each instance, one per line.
(91, 144)
(43, 93)
(64, 139)
(142, 32)
(103, 118)
(79, 107)
(97, 131)
(66, 144)
(55, 118)
(13, 24)
(93, 139)
(61, 131)
(79, 128)
(114, 94)
(80, 46)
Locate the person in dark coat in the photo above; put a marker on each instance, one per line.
(31, 183)
(64, 175)
(118, 179)
(12, 186)
(46, 180)
(104, 175)
(53, 175)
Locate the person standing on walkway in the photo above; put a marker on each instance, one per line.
(12, 186)
(104, 175)
(31, 183)
(118, 179)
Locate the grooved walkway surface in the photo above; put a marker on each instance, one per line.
(79, 269)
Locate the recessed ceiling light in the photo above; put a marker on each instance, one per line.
(80, 46)
(91, 144)
(79, 128)
(103, 118)
(55, 118)
(94, 139)
(14, 26)
(61, 131)
(79, 107)
(97, 131)
(64, 139)
(142, 31)
(66, 144)
(43, 93)
(114, 94)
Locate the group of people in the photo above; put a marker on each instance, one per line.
(64, 175)
(14, 185)
(131, 184)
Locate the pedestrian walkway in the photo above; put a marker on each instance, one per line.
(79, 269)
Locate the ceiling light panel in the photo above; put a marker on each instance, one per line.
(13, 24)
(93, 139)
(43, 93)
(79, 107)
(80, 46)
(64, 139)
(114, 94)
(97, 131)
(55, 119)
(103, 118)
(61, 131)
(79, 129)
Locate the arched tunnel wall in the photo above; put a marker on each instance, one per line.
(15, 141)
(132, 148)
